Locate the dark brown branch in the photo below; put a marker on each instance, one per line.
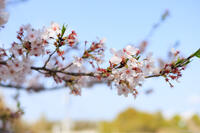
(152, 76)
(91, 74)
(12, 86)
(39, 69)
(176, 66)
(46, 62)
(3, 63)
(60, 71)
(36, 89)
(68, 66)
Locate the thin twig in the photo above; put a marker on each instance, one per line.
(46, 62)
(3, 63)
(68, 66)
(151, 76)
(10, 86)
(59, 71)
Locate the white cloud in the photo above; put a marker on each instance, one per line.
(194, 99)
(187, 114)
(168, 114)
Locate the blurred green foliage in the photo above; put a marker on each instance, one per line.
(133, 121)
(128, 121)
(42, 125)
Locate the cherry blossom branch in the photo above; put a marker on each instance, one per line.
(2, 62)
(178, 64)
(152, 76)
(91, 73)
(56, 71)
(127, 70)
(46, 62)
(60, 71)
(35, 89)
(68, 66)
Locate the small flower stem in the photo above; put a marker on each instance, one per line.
(46, 62)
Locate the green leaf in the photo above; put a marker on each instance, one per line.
(197, 53)
(187, 62)
(18, 105)
(179, 61)
(138, 57)
(63, 30)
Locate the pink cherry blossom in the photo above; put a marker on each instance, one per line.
(48, 49)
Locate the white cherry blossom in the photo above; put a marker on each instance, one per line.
(78, 61)
(53, 30)
(115, 60)
(133, 73)
(130, 50)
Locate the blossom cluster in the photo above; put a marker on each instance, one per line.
(127, 71)
(173, 70)
(46, 51)
(15, 70)
(32, 43)
(3, 14)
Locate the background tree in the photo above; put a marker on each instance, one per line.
(133, 121)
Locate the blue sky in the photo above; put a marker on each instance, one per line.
(121, 23)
